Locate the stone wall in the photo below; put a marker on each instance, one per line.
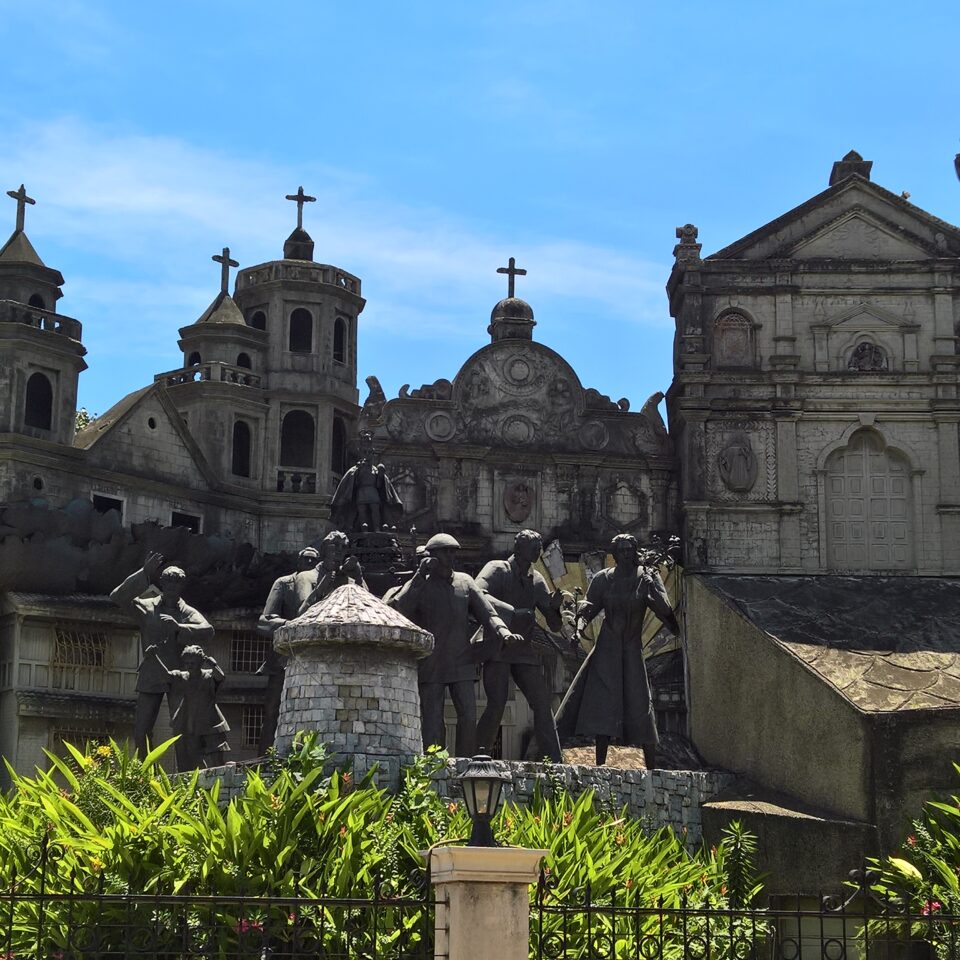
(660, 798)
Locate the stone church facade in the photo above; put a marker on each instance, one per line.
(812, 469)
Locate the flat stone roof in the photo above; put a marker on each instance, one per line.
(885, 643)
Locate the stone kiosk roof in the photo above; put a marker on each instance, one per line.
(884, 643)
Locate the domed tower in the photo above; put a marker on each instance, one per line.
(41, 354)
(511, 318)
(220, 389)
(309, 313)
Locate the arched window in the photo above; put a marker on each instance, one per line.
(38, 408)
(338, 447)
(301, 331)
(340, 340)
(37, 301)
(297, 438)
(868, 500)
(258, 320)
(194, 359)
(243, 360)
(733, 341)
(241, 449)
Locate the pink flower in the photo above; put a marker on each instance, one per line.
(245, 926)
(931, 906)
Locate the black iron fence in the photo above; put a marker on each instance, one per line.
(617, 926)
(99, 925)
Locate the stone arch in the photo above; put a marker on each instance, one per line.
(340, 340)
(38, 402)
(298, 440)
(734, 340)
(258, 320)
(868, 504)
(338, 446)
(243, 360)
(301, 331)
(37, 301)
(194, 360)
(242, 444)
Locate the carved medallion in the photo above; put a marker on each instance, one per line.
(594, 435)
(867, 356)
(439, 426)
(518, 500)
(737, 464)
(518, 430)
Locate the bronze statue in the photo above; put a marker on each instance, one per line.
(283, 603)
(166, 623)
(441, 600)
(517, 591)
(197, 719)
(365, 499)
(610, 696)
(289, 597)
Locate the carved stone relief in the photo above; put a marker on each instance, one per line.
(518, 500)
(867, 356)
(737, 464)
(733, 341)
(742, 460)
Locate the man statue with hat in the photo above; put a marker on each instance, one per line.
(319, 573)
(442, 600)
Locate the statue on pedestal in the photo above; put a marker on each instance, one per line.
(365, 499)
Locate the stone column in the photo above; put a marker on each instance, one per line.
(483, 901)
(352, 677)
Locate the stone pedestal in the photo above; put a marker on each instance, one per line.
(483, 901)
(352, 677)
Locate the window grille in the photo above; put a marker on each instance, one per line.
(248, 650)
(251, 723)
(79, 647)
(78, 736)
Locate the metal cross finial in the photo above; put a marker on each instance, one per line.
(300, 198)
(225, 264)
(511, 271)
(22, 199)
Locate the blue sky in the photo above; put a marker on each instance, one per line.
(440, 139)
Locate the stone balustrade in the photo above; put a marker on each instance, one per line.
(296, 481)
(215, 370)
(13, 312)
(310, 272)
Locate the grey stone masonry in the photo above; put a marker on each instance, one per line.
(352, 677)
(659, 798)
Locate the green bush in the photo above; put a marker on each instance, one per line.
(111, 824)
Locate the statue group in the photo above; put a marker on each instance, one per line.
(484, 629)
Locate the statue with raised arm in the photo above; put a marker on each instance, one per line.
(517, 591)
(166, 623)
(442, 600)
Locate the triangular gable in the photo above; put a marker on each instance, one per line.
(866, 316)
(853, 219)
(19, 249)
(148, 438)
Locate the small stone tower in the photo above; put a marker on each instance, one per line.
(41, 354)
(352, 677)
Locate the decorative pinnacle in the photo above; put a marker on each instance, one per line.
(225, 264)
(22, 199)
(512, 271)
(300, 198)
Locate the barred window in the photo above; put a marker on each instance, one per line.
(251, 723)
(247, 651)
(79, 647)
(78, 736)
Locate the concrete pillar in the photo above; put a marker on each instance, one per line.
(483, 901)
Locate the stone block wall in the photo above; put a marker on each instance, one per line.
(659, 798)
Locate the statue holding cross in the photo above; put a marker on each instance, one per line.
(22, 200)
(223, 258)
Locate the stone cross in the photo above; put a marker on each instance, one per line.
(22, 199)
(300, 198)
(512, 271)
(225, 264)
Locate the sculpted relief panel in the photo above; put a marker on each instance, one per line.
(741, 459)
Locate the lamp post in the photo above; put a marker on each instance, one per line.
(482, 784)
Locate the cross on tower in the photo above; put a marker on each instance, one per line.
(22, 199)
(512, 270)
(225, 264)
(300, 198)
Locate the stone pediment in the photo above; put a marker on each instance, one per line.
(858, 236)
(521, 394)
(868, 316)
(852, 220)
